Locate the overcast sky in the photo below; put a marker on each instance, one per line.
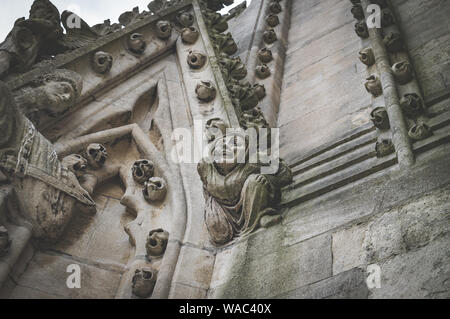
(91, 11)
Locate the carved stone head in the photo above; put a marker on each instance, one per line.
(189, 35)
(367, 57)
(403, 72)
(420, 131)
(384, 147)
(412, 104)
(136, 43)
(263, 71)
(96, 155)
(206, 91)
(270, 36)
(163, 29)
(185, 19)
(215, 127)
(102, 62)
(76, 164)
(196, 59)
(272, 20)
(265, 55)
(361, 29)
(155, 189)
(5, 242)
(228, 152)
(143, 282)
(373, 85)
(393, 42)
(142, 170)
(380, 119)
(156, 242)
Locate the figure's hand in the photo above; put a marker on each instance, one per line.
(261, 179)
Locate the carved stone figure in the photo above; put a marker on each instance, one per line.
(5, 242)
(232, 67)
(412, 104)
(136, 43)
(403, 72)
(143, 282)
(157, 242)
(384, 147)
(239, 198)
(196, 59)
(367, 57)
(265, 55)
(272, 20)
(224, 43)
(96, 155)
(206, 91)
(215, 128)
(263, 71)
(275, 7)
(75, 163)
(155, 189)
(52, 94)
(189, 35)
(393, 42)
(142, 170)
(270, 36)
(361, 29)
(47, 192)
(163, 29)
(102, 62)
(420, 131)
(380, 119)
(373, 85)
(185, 19)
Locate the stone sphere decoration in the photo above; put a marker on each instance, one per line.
(206, 91)
(420, 131)
(196, 59)
(155, 189)
(96, 155)
(270, 36)
(373, 85)
(367, 57)
(163, 29)
(102, 62)
(142, 170)
(143, 282)
(136, 43)
(156, 242)
(189, 35)
(263, 71)
(265, 55)
(272, 20)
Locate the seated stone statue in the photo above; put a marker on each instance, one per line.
(239, 198)
(46, 191)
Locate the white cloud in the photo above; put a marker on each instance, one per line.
(92, 11)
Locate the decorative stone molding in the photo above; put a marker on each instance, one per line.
(96, 155)
(206, 91)
(196, 59)
(143, 282)
(5, 242)
(163, 29)
(155, 189)
(156, 242)
(366, 56)
(403, 72)
(102, 62)
(142, 170)
(380, 118)
(189, 35)
(373, 85)
(384, 147)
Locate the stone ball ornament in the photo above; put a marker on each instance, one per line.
(206, 91)
(361, 29)
(75, 163)
(102, 62)
(270, 36)
(367, 57)
(265, 55)
(272, 20)
(403, 72)
(196, 60)
(263, 71)
(155, 189)
(373, 85)
(156, 242)
(142, 170)
(136, 43)
(260, 91)
(275, 7)
(190, 35)
(163, 29)
(143, 282)
(96, 155)
(419, 131)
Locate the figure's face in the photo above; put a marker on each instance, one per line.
(60, 96)
(228, 152)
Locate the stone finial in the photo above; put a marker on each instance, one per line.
(155, 189)
(373, 85)
(260, 90)
(196, 59)
(275, 7)
(206, 91)
(189, 35)
(143, 282)
(367, 57)
(102, 62)
(380, 119)
(96, 155)
(156, 242)
(142, 170)
(403, 72)
(384, 147)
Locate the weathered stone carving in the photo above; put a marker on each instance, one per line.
(393, 42)
(263, 71)
(156, 6)
(206, 91)
(142, 170)
(106, 28)
(143, 282)
(75, 163)
(357, 11)
(215, 20)
(373, 85)
(239, 198)
(102, 62)
(130, 17)
(196, 60)
(224, 43)
(155, 189)
(136, 43)
(185, 18)
(215, 128)
(270, 36)
(5, 242)
(244, 95)
(46, 191)
(163, 29)
(52, 94)
(96, 155)
(232, 67)
(156, 242)
(367, 57)
(260, 90)
(275, 7)
(189, 35)
(253, 118)
(265, 55)
(420, 131)
(403, 72)
(272, 20)
(380, 119)
(384, 147)
(412, 104)
(361, 29)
